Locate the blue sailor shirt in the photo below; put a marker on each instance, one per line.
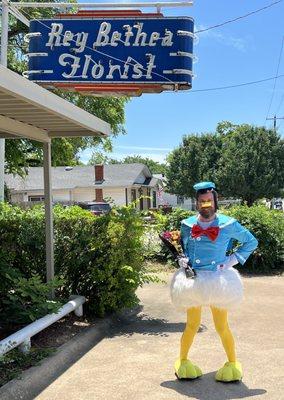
(205, 254)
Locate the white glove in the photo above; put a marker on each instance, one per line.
(182, 262)
(230, 262)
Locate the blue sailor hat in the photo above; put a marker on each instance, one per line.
(204, 186)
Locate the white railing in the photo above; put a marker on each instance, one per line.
(22, 338)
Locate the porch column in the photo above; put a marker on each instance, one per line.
(3, 61)
(48, 211)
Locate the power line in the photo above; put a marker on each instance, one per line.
(238, 18)
(274, 86)
(238, 85)
(196, 90)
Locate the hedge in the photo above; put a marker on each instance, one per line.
(267, 226)
(97, 257)
(102, 257)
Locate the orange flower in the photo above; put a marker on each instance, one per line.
(175, 235)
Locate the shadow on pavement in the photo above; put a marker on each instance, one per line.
(206, 388)
(146, 325)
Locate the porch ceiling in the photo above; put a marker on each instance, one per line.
(30, 111)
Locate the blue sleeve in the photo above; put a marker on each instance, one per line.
(248, 242)
(184, 234)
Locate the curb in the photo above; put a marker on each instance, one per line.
(34, 380)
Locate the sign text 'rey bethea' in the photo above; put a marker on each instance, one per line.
(145, 52)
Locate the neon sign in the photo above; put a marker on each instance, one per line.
(134, 53)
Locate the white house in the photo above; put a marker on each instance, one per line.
(120, 183)
(170, 199)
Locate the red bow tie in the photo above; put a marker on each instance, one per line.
(212, 232)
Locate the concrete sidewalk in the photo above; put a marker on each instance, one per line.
(135, 357)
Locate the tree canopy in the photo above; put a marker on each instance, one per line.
(244, 161)
(154, 166)
(21, 153)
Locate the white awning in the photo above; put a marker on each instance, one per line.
(30, 111)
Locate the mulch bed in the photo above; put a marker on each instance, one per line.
(43, 345)
(61, 331)
(58, 333)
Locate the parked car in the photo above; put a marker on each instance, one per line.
(165, 208)
(278, 205)
(96, 207)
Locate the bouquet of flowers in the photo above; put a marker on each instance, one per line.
(172, 240)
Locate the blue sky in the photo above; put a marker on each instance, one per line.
(242, 51)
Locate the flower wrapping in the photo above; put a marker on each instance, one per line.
(172, 240)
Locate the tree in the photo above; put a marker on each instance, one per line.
(23, 153)
(193, 161)
(100, 158)
(252, 163)
(154, 166)
(244, 161)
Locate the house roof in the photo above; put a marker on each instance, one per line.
(115, 175)
(151, 182)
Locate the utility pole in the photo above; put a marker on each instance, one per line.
(3, 61)
(274, 121)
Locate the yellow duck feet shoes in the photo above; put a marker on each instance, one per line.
(184, 369)
(230, 372)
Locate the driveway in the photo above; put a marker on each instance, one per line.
(134, 359)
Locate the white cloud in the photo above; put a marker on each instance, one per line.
(240, 44)
(158, 149)
(153, 156)
(155, 153)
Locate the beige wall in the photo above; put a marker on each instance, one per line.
(83, 194)
(117, 195)
(77, 195)
(17, 197)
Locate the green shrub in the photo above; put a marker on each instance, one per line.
(97, 257)
(265, 224)
(268, 227)
(101, 258)
(175, 217)
(28, 300)
(154, 249)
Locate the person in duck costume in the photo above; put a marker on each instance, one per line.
(206, 239)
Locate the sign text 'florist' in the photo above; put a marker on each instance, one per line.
(147, 52)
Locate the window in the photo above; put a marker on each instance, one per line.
(133, 195)
(141, 203)
(141, 200)
(148, 198)
(36, 198)
(154, 197)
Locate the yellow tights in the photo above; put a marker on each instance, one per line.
(220, 318)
